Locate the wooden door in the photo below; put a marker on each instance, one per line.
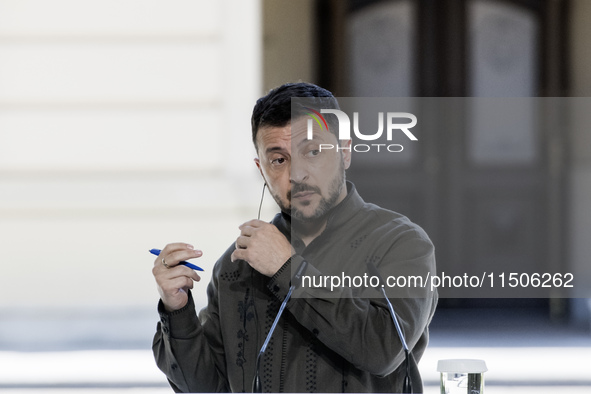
(491, 199)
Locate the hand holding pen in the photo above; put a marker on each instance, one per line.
(156, 252)
(173, 277)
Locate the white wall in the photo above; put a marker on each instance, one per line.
(124, 125)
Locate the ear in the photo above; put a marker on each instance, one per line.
(346, 153)
(258, 163)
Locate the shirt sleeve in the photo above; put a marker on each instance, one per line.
(189, 349)
(361, 330)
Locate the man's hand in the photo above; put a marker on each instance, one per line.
(262, 246)
(175, 280)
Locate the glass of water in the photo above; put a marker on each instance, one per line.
(462, 376)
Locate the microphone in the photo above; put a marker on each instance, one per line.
(407, 384)
(257, 387)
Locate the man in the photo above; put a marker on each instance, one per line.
(327, 340)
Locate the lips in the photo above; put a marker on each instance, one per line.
(303, 194)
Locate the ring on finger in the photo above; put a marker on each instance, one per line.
(164, 263)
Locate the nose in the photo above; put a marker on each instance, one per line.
(298, 171)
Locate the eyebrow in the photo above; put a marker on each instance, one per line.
(274, 149)
(314, 139)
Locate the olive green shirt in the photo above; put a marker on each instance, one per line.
(327, 340)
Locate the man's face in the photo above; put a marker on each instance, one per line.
(305, 181)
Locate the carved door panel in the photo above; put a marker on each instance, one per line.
(489, 196)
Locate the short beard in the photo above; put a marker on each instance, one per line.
(325, 205)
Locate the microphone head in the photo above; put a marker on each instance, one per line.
(256, 384)
(257, 387)
(373, 271)
(406, 386)
(297, 278)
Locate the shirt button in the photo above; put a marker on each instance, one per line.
(174, 366)
(315, 332)
(165, 329)
(276, 288)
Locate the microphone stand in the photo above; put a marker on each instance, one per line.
(407, 384)
(257, 387)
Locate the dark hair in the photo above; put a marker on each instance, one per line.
(275, 109)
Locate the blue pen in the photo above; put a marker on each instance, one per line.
(156, 252)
